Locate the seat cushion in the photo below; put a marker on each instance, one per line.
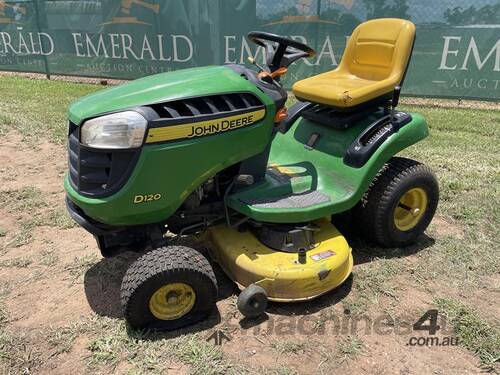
(333, 89)
(373, 63)
(341, 90)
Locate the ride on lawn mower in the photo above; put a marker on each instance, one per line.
(213, 152)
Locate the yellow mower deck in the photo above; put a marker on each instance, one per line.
(247, 261)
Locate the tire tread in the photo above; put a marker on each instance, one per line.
(167, 260)
(369, 213)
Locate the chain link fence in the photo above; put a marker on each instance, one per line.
(456, 55)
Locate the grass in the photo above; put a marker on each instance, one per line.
(80, 265)
(28, 205)
(5, 289)
(24, 204)
(47, 102)
(61, 339)
(288, 347)
(203, 357)
(23, 235)
(26, 199)
(374, 279)
(463, 151)
(60, 218)
(48, 257)
(283, 370)
(19, 262)
(473, 331)
(349, 347)
(371, 281)
(17, 356)
(4, 317)
(150, 353)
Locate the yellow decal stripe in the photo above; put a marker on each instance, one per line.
(202, 128)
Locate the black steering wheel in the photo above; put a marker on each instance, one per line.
(280, 51)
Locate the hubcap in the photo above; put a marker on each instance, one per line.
(172, 301)
(410, 209)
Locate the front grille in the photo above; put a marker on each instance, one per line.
(207, 105)
(97, 173)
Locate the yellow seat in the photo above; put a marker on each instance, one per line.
(374, 63)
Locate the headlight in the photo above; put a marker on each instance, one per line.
(118, 130)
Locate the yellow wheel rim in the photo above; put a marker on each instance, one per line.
(172, 301)
(410, 209)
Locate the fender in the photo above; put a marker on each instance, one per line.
(314, 157)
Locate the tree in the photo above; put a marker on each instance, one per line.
(383, 8)
(273, 16)
(488, 14)
(346, 20)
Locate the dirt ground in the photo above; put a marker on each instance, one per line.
(61, 298)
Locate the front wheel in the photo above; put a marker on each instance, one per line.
(168, 288)
(400, 203)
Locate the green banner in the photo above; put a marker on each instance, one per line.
(456, 55)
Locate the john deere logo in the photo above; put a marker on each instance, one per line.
(126, 10)
(11, 13)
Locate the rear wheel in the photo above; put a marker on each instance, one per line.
(399, 205)
(168, 288)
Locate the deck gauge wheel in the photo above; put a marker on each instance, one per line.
(252, 301)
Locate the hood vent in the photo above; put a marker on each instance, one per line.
(207, 106)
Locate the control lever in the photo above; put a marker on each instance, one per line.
(251, 60)
(394, 103)
(244, 180)
(275, 75)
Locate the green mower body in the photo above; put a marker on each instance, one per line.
(162, 175)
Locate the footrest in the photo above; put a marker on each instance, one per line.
(302, 200)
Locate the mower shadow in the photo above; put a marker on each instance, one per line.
(364, 252)
(302, 308)
(102, 283)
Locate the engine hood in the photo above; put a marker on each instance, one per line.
(160, 88)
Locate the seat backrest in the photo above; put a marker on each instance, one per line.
(379, 49)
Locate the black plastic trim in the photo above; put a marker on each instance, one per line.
(272, 89)
(294, 112)
(98, 173)
(330, 116)
(365, 145)
(90, 225)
